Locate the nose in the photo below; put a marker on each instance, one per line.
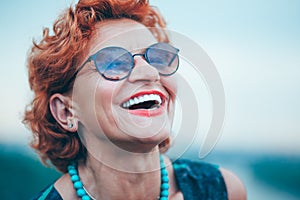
(142, 71)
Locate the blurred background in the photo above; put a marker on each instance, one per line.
(255, 46)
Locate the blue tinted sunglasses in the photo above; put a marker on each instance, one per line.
(116, 63)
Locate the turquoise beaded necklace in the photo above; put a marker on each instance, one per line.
(84, 195)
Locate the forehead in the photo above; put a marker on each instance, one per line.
(125, 33)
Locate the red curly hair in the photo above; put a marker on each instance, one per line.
(52, 67)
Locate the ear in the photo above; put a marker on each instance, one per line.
(61, 110)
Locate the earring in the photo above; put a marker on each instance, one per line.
(70, 124)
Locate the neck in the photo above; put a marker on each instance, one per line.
(137, 178)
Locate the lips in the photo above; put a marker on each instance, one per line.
(145, 103)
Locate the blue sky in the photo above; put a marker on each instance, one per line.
(255, 46)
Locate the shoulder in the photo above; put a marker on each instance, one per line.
(199, 180)
(209, 178)
(235, 188)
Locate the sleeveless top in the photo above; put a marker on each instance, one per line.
(196, 181)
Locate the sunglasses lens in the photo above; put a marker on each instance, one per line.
(114, 63)
(163, 57)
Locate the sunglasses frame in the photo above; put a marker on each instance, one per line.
(144, 55)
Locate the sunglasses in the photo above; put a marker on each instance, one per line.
(116, 63)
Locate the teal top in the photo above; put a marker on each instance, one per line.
(196, 180)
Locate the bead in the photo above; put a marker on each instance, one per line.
(164, 173)
(164, 193)
(164, 170)
(78, 185)
(85, 197)
(164, 186)
(71, 167)
(161, 159)
(72, 172)
(74, 178)
(81, 192)
(165, 179)
(163, 198)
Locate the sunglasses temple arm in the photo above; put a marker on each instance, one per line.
(80, 68)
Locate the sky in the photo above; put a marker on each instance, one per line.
(255, 46)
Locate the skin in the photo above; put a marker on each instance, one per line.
(235, 188)
(123, 154)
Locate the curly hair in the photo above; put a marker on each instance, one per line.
(52, 66)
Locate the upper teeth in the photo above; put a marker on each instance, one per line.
(141, 99)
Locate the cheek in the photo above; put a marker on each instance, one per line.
(93, 97)
(103, 97)
(104, 102)
(170, 84)
(84, 99)
(83, 95)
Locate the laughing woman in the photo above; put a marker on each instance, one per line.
(105, 86)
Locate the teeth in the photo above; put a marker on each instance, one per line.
(131, 102)
(141, 99)
(135, 100)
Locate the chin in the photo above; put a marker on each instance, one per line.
(142, 145)
(155, 139)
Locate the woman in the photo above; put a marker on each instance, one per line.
(105, 85)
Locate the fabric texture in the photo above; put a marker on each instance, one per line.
(196, 180)
(199, 180)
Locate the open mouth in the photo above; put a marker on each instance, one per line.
(144, 101)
